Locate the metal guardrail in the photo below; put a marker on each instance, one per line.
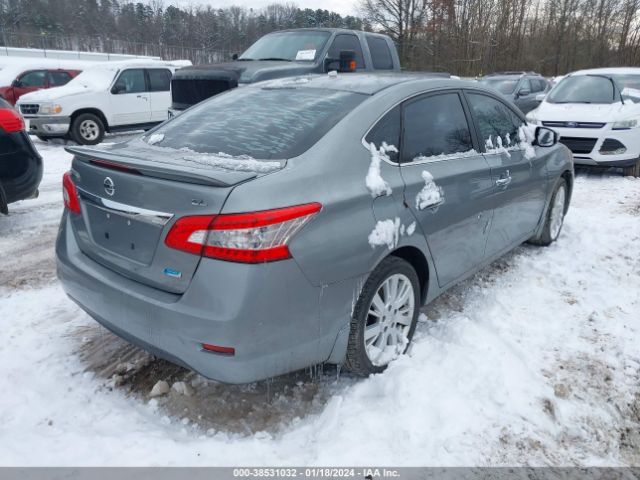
(100, 45)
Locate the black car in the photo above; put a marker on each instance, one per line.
(20, 163)
(522, 88)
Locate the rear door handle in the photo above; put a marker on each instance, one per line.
(505, 180)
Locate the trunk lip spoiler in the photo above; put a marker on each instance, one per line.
(184, 173)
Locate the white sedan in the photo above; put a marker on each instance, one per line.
(597, 114)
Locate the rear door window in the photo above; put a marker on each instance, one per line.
(261, 123)
(131, 81)
(57, 78)
(387, 130)
(494, 119)
(159, 79)
(380, 53)
(347, 42)
(36, 78)
(435, 125)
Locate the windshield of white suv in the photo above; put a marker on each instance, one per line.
(261, 123)
(596, 89)
(288, 46)
(98, 77)
(503, 85)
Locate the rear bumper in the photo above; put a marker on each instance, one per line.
(48, 126)
(268, 313)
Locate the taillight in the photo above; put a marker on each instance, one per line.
(10, 120)
(70, 194)
(255, 237)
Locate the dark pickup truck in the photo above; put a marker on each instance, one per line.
(286, 53)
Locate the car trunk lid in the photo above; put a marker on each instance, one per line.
(129, 201)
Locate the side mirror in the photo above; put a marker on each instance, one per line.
(16, 83)
(117, 88)
(540, 97)
(524, 92)
(234, 56)
(545, 137)
(348, 61)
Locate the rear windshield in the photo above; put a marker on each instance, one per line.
(265, 123)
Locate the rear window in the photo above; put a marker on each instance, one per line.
(266, 123)
(159, 79)
(57, 79)
(380, 53)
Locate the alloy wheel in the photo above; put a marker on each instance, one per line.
(386, 334)
(557, 212)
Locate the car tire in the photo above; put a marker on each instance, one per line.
(555, 216)
(87, 129)
(633, 170)
(395, 323)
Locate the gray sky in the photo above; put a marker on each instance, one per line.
(343, 7)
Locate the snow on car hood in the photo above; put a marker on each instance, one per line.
(56, 93)
(573, 112)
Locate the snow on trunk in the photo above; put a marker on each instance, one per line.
(155, 138)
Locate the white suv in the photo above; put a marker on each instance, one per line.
(104, 98)
(597, 114)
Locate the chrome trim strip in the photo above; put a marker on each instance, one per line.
(136, 213)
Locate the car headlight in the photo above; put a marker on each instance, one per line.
(49, 108)
(625, 124)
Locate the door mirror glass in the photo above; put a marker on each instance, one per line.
(16, 83)
(234, 56)
(540, 97)
(524, 92)
(545, 137)
(118, 88)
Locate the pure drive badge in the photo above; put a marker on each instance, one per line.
(170, 272)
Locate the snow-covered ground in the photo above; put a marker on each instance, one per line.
(535, 361)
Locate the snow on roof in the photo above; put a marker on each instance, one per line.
(609, 71)
(366, 83)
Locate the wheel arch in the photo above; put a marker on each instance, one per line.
(568, 177)
(419, 262)
(94, 111)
